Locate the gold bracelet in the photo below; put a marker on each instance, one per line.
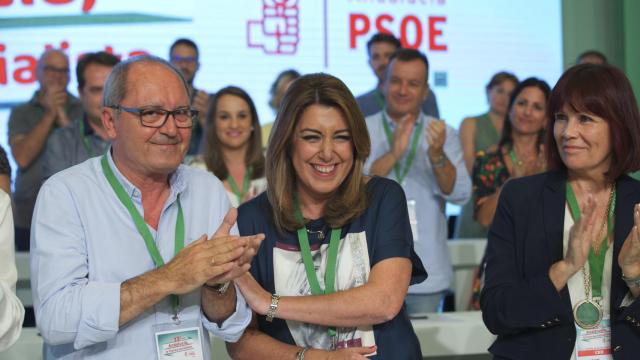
(300, 354)
(271, 313)
(219, 289)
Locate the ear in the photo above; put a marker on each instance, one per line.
(370, 62)
(108, 117)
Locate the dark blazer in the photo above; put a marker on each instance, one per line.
(519, 302)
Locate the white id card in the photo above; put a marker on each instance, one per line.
(594, 344)
(178, 341)
(413, 219)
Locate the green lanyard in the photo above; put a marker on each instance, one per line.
(245, 184)
(596, 261)
(85, 140)
(330, 272)
(402, 173)
(514, 157)
(138, 220)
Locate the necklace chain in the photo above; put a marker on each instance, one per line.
(319, 233)
(596, 246)
(603, 226)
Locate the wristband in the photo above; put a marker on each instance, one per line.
(220, 288)
(631, 282)
(271, 313)
(300, 354)
(440, 162)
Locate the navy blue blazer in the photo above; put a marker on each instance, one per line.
(519, 302)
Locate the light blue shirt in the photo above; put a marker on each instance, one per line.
(420, 185)
(84, 245)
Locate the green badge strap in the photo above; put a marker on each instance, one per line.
(138, 220)
(401, 173)
(305, 251)
(85, 140)
(379, 98)
(596, 261)
(514, 157)
(245, 184)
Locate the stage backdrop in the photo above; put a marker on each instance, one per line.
(248, 42)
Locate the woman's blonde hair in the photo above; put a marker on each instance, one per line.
(350, 199)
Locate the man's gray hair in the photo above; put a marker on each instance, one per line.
(115, 87)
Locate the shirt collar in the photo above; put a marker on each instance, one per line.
(177, 181)
(386, 117)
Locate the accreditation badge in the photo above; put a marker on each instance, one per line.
(178, 341)
(594, 343)
(413, 219)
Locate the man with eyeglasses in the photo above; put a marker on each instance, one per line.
(126, 246)
(85, 137)
(184, 55)
(30, 124)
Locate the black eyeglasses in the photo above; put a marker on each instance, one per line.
(156, 117)
(57, 70)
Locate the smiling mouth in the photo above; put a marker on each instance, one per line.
(166, 143)
(570, 149)
(324, 169)
(402, 99)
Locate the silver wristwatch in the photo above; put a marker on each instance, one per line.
(271, 312)
(631, 282)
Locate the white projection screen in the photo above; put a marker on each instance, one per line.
(248, 42)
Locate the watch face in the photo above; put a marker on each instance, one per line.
(631, 282)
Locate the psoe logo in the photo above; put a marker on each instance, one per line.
(277, 33)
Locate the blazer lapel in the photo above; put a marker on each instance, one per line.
(553, 199)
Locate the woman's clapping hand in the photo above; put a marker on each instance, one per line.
(629, 257)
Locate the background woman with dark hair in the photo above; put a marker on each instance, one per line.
(563, 256)
(331, 277)
(519, 152)
(480, 133)
(233, 149)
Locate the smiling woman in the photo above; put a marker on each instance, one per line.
(233, 150)
(519, 153)
(563, 252)
(322, 153)
(332, 275)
